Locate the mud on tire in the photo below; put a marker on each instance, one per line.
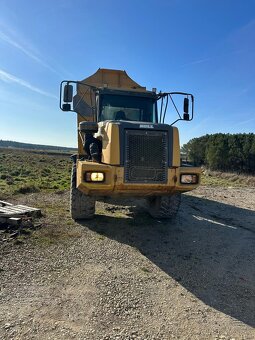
(82, 206)
(164, 206)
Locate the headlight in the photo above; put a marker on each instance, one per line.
(94, 176)
(189, 179)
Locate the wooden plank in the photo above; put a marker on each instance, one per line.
(12, 211)
(11, 215)
(9, 208)
(32, 211)
(5, 203)
(30, 208)
(18, 209)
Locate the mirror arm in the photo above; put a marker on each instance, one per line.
(175, 106)
(67, 82)
(192, 106)
(177, 120)
(161, 95)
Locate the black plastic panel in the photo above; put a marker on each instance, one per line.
(146, 156)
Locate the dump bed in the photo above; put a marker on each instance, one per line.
(117, 79)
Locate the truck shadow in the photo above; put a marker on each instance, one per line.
(209, 249)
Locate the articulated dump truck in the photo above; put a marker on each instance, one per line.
(124, 146)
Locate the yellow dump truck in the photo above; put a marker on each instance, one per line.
(124, 146)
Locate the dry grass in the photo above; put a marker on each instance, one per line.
(226, 179)
(24, 171)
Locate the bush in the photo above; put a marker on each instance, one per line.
(15, 173)
(26, 189)
(45, 172)
(9, 180)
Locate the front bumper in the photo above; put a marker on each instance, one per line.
(114, 183)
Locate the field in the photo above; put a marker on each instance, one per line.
(223, 179)
(23, 171)
(124, 275)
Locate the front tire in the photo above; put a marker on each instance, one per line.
(82, 206)
(164, 206)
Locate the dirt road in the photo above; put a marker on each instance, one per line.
(126, 276)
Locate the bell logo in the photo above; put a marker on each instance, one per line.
(144, 126)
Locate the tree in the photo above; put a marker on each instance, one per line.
(225, 152)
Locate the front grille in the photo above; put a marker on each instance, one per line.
(146, 156)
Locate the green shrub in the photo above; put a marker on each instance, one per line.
(26, 189)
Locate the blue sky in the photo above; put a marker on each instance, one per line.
(199, 46)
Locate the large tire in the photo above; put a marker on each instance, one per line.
(82, 206)
(164, 206)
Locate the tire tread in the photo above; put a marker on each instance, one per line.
(164, 206)
(82, 206)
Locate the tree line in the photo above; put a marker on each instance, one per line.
(224, 152)
(12, 144)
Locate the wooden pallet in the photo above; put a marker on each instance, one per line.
(13, 214)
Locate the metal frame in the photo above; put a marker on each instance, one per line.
(160, 96)
(68, 82)
(130, 93)
(168, 95)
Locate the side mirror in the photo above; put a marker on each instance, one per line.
(186, 109)
(186, 105)
(68, 94)
(66, 107)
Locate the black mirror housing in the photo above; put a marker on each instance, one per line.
(68, 93)
(186, 105)
(66, 107)
(186, 116)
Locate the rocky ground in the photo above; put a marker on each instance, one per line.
(126, 276)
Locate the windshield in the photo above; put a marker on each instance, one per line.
(122, 107)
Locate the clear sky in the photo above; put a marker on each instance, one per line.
(200, 46)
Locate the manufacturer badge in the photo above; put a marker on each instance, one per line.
(143, 126)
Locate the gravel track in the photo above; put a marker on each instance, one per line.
(124, 275)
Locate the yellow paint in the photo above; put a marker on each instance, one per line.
(187, 170)
(99, 187)
(115, 79)
(111, 147)
(115, 185)
(176, 148)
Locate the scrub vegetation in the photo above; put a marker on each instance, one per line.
(24, 171)
(226, 179)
